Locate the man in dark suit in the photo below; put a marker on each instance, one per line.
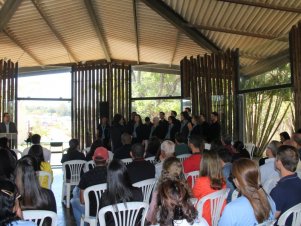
(214, 132)
(140, 169)
(123, 152)
(157, 130)
(103, 131)
(8, 127)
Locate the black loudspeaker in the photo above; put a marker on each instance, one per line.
(104, 109)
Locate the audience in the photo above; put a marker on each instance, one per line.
(253, 206)
(103, 131)
(204, 127)
(194, 126)
(240, 151)
(95, 176)
(10, 212)
(268, 170)
(140, 169)
(96, 144)
(36, 139)
(297, 138)
(73, 153)
(116, 130)
(123, 152)
(284, 136)
(153, 146)
(211, 179)
(36, 151)
(185, 119)
(4, 144)
(147, 128)
(7, 166)
(138, 130)
(192, 163)
(287, 193)
(227, 143)
(119, 188)
(34, 197)
(167, 150)
(172, 128)
(163, 122)
(214, 130)
(157, 130)
(181, 146)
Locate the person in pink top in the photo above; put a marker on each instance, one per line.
(211, 180)
(192, 163)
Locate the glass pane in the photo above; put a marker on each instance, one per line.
(45, 86)
(151, 108)
(150, 84)
(278, 76)
(50, 119)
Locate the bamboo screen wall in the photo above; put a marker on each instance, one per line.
(210, 81)
(8, 87)
(295, 58)
(92, 84)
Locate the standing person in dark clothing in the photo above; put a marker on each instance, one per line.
(163, 122)
(4, 144)
(103, 131)
(194, 126)
(73, 152)
(147, 128)
(174, 114)
(116, 130)
(172, 129)
(138, 130)
(214, 128)
(123, 152)
(185, 119)
(157, 130)
(140, 169)
(130, 124)
(204, 127)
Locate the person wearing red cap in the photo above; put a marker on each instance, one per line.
(95, 176)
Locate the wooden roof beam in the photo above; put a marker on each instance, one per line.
(176, 47)
(177, 21)
(54, 31)
(21, 46)
(100, 36)
(136, 30)
(264, 5)
(237, 32)
(266, 65)
(7, 11)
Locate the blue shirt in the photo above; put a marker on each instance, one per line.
(240, 213)
(287, 192)
(23, 223)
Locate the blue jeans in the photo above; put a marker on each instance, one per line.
(77, 208)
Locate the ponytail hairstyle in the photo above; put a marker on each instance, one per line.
(211, 167)
(36, 151)
(246, 172)
(174, 199)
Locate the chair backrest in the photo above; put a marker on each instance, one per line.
(127, 161)
(111, 155)
(207, 146)
(194, 175)
(270, 184)
(38, 216)
(127, 214)
(97, 191)
(216, 200)
(267, 223)
(147, 187)
(234, 195)
(44, 174)
(250, 148)
(151, 159)
(295, 211)
(86, 150)
(89, 165)
(75, 167)
(183, 157)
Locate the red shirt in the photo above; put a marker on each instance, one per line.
(192, 163)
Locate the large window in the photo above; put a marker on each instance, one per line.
(155, 92)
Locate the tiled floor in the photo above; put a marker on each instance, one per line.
(65, 216)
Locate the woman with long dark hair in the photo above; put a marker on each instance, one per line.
(36, 151)
(240, 151)
(211, 180)
(119, 188)
(254, 206)
(73, 152)
(34, 197)
(185, 119)
(10, 212)
(138, 130)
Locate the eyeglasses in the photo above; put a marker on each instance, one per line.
(9, 193)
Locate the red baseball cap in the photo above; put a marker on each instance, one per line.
(102, 153)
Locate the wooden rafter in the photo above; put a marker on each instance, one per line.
(176, 20)
(54, 31)
(95, 21)
(7, 11)
(264, 5)
(176, 47)
(136, 30)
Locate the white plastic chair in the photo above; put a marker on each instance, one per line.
(151, 159)
(111, 155)
(295, 211)
(199, 222)
(43, 174)
(270, 184)
(267, 223)
(207, 146)
(250, 148)
(183, 157)
(127, 161)
(97, 190)
(89, 165)
(147, 187)
(126, 215)
(194, 175)
(86, 150)
(216, 199)
(38, 216)
(75, 167)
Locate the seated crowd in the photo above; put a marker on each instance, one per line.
(254, 193)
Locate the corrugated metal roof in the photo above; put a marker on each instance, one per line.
(258, 32)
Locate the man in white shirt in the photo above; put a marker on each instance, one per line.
(36, 138)
(268, 170)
